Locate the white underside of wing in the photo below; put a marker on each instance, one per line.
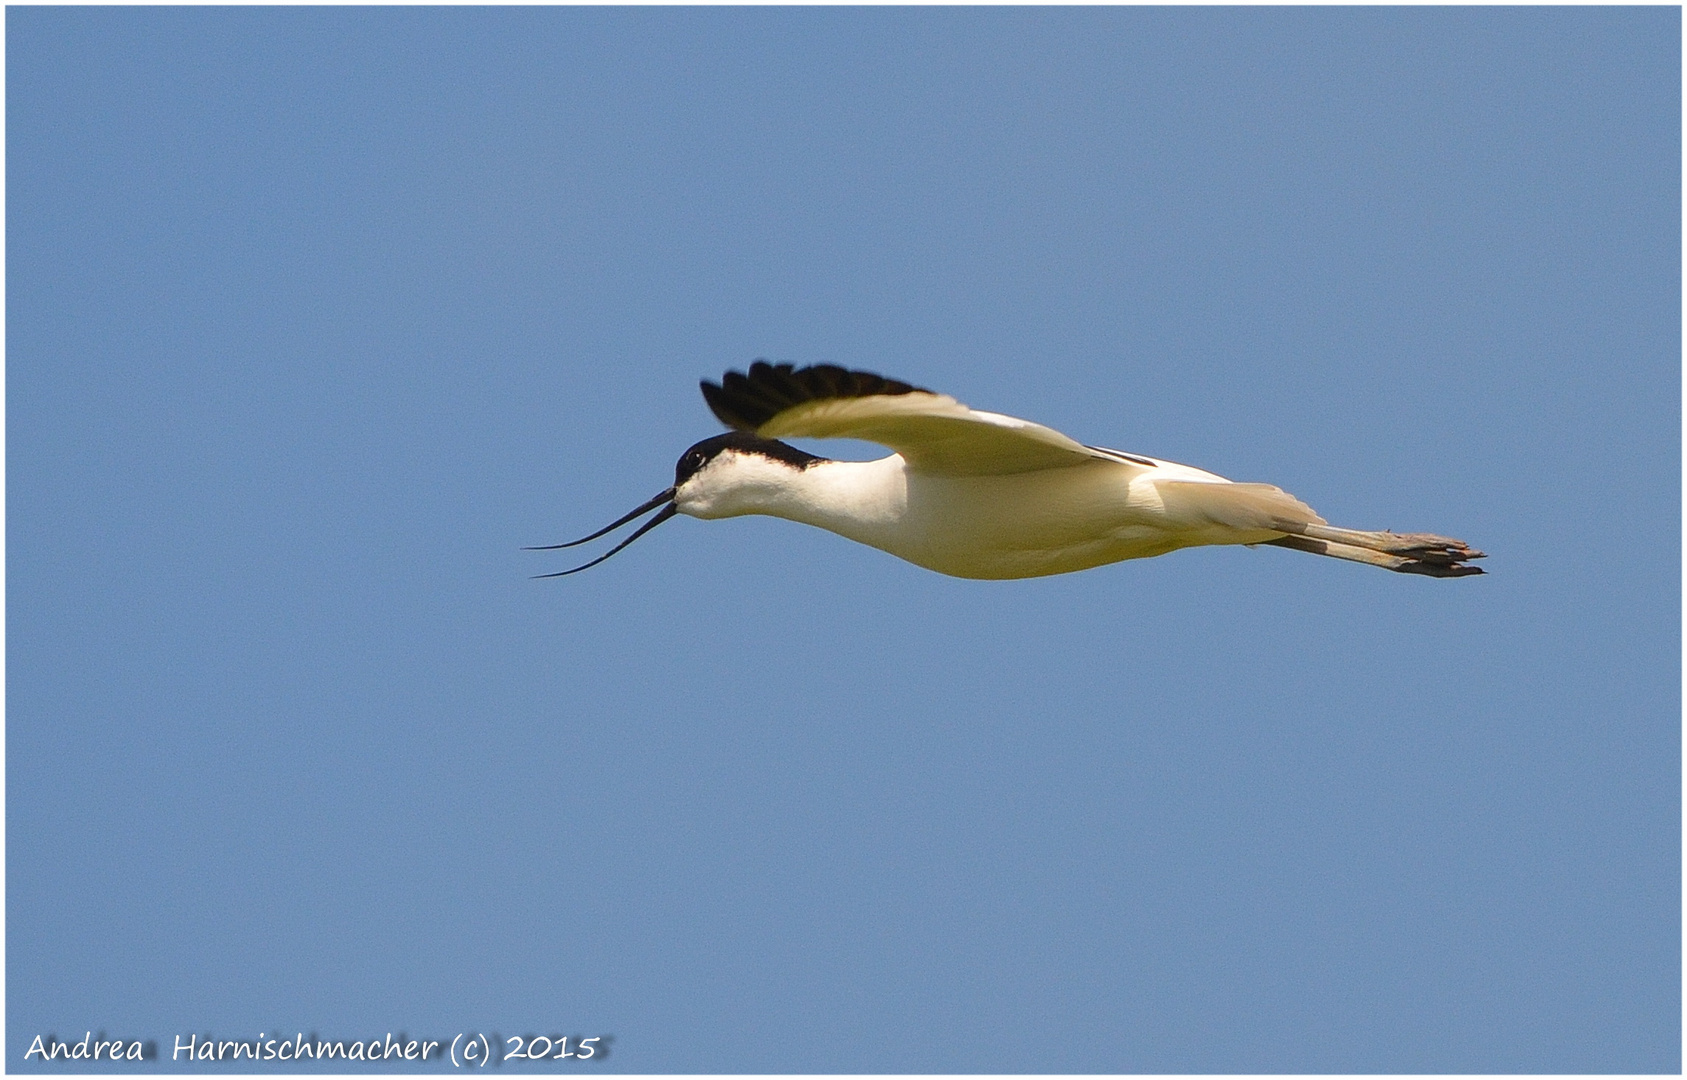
(934, 433)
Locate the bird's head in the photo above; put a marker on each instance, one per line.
(733, 474)
(726, 476)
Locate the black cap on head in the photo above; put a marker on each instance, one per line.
(744, 442)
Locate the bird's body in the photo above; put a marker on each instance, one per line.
(980, 495)
(1018, 525)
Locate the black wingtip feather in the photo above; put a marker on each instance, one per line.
(747, 401)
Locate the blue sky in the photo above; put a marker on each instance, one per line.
(316, 316)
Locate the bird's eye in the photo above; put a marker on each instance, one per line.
(694, 459)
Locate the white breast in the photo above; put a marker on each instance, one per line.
(1022, 525)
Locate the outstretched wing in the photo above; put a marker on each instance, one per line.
(933, 432)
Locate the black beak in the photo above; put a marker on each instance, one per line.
(666, 513)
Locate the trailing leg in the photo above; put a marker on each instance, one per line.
(1404, 553)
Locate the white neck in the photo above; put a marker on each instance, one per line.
(857, 499)
(860, 500)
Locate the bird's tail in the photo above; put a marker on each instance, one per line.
(1244, 507)
(1257, 507)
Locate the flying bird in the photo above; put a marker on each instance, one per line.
(977, 494)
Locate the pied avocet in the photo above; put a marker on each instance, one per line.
(977, 494)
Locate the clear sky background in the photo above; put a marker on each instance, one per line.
(316, 316)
